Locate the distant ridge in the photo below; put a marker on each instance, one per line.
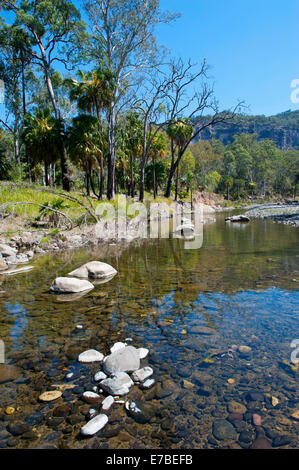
(283, 129)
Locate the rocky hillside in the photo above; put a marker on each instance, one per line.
(282, 128)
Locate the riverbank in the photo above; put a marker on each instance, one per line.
(284, 213)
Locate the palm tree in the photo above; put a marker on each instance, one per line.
(42, 137)
(93, 93)
(84, 146)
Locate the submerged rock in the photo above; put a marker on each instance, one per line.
(90, 356)
(261, 443)
(94, 425)
(7, 373)
(94, 270)
(69, 285)
(223, 430)
(118, 385)
(125, 360)
(140, 412)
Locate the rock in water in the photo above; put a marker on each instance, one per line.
(124, 360)
(107, 403)
(7, 373)
(149, 383)
(91, 397)
(50, 396)
(94, 270)
(143, 352)
(238, 218)
(94, 425)
(140, 412)
(223, 430)
(141, 375)
(261, 443)
(118, 385)
(70, 285)
(117, 347)
(90, 356)
(98, 376)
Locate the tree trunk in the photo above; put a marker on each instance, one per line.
(154, 178)
(141, 187)
(46, 175)
(176, 184)
(111, 154)
(132, 176)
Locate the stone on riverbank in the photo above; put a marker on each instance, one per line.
(94, 425)
(98, 376)
(7, 251)
(117, 347)
(3, 265)
(94, 270)
(90, 356)
(125, 360)
(118, 385)
(69, 285)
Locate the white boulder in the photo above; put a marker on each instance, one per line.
(94, 270)
(90, 356)
(125, 360)
(70, 285)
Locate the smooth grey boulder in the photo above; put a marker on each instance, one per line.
(124, 360)
(118, 385)
(94, 270)
(70, 285)
(90, 356)
(94, 425)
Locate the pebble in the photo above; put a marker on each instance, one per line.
(235, 407)
(92, 413)
(50, 396)
(147, 384)
(91, 397)
(275, 401)
(223, 430)
(10, 410)
(79, 327)
(107, 403)
(69, 376)
(295, 415)
(90, 356)
(94, 425)
(256, 419)
(244, 349)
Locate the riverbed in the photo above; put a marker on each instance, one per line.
(194, 309)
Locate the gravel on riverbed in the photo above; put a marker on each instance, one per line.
(285, 213)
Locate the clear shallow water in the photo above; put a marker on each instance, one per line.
(240, 288)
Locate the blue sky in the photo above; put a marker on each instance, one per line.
(252, 47)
